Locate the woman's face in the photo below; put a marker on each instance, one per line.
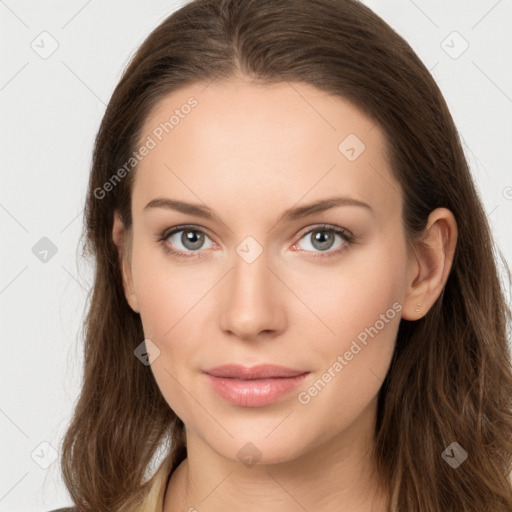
(265, 279)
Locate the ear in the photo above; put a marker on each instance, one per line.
(431, 264)
(122, 239)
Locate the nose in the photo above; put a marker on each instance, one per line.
(252, 301)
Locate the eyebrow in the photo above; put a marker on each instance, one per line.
(291, 214)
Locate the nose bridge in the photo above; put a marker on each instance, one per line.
(250, 278)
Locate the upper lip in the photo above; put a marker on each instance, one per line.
(261, 371)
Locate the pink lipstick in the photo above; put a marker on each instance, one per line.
(254, 386)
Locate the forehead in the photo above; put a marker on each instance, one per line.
(284, 140)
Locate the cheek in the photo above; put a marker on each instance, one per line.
(351, 364)
(165, 291)
(168, 300)
(352, 296)
(361, 306)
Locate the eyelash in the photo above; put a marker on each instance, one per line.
(347, 237)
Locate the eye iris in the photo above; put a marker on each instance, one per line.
(324, 238)
(192, 239)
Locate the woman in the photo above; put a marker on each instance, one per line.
(296, 301)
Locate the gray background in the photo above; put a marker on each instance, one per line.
(51, 107)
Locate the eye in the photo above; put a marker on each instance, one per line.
(323, 237)
(187, 241)
(183, 241)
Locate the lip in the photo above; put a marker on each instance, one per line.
(254, 386)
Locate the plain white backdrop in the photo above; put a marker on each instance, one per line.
(60, 63)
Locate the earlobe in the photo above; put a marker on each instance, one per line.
(120, 238)
(431, 265)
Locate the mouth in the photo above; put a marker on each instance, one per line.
(255, 386)
(261, 371)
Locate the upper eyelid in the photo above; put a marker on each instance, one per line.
(166, 233)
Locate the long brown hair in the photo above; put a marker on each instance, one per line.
(450, 379)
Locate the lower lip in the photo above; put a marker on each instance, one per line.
(255, 392)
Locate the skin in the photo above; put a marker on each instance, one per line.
(249, 152)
